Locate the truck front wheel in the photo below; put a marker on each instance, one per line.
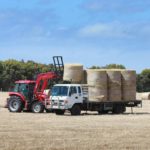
(76, 110)
(15, 104)
(59, 112)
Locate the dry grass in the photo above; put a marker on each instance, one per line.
(47, 131)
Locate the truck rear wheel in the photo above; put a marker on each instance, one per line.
(59, 112)
(37, 107)
(119, 109)
(76, 110)
(15, 104)
(103, 112)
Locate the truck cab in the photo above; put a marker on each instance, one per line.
(67, 97)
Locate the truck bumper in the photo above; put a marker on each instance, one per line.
(58, 107)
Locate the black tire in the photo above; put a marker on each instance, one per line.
(123, 109)
(76, 110)
(49, 110)
(15, 104)
(37, 107)
(103, 112)
(119, 109)
(59, 112)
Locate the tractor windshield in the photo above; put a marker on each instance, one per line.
(60, 91)
(19, 87)
(15, 88)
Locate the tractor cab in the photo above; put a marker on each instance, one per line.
(25, 88)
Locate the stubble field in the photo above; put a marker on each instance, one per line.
(20, 131)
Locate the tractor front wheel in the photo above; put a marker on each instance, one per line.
(37, 107)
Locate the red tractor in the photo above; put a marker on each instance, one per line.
(30, 95)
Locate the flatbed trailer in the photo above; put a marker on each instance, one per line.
(115, 106)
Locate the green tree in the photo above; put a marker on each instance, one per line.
(95, 67)
(13, 70)
(139, 83)
(109, 66)
(114, 66)
(143, 81)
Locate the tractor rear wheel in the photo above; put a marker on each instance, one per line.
(15, 104)
(37, 107)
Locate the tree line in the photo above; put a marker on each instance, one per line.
(13, 70)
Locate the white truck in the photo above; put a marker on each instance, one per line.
(74, 97)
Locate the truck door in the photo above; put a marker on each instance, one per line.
(80, 97)
(75, 94)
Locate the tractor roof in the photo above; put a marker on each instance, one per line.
(26, 81)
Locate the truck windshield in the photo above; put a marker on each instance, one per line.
(60, 91)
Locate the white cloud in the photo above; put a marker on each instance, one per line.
(114, 29)
(118, 5)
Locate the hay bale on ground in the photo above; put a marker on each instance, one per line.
(145, 96)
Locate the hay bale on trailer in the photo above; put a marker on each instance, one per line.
(128, 85)
(73, 73)
(114, 85)
(84, 77)
(97, 81)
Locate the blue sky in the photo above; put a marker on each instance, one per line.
(90, 32)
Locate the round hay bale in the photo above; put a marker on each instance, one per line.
(96, 77)
(128, 85)
(97, 94)
(84, 77)
(73, 73)
(97, 81)
(145, 96)
(114, 85)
